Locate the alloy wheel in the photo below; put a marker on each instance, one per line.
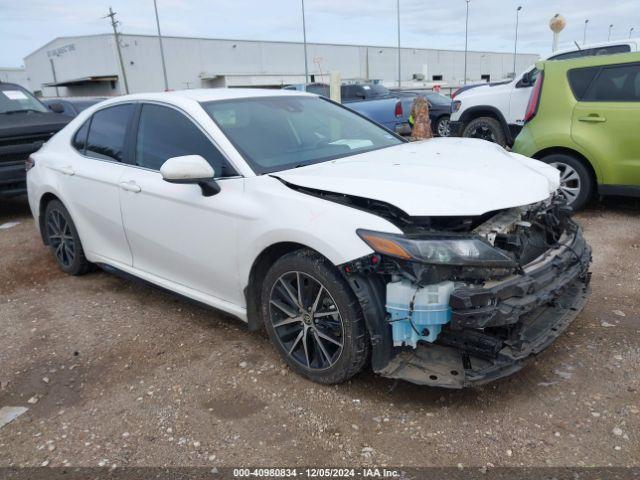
(570, 183)
(306, 321)
(443, 127)
(60, 238)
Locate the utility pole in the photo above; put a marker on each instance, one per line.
(164, 66)
(304, 39)
(515, 46)
(55, 78)
(399, 52)
(114, 24)
(466, 43)
(609, 37)
(584, 36)
(630, 32)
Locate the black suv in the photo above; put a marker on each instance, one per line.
(25, 124)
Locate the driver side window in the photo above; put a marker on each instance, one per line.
(163, 132)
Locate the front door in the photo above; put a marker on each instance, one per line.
(606, 123)
(175, 232)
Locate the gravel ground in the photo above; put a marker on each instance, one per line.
(117, 373)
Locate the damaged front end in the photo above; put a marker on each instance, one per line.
(461, 301)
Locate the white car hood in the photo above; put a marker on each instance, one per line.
(437, 177)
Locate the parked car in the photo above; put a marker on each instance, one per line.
(439, 109)
(583, 118)
(71, 106)
(448, 262)
(25, 124)
(495, 112)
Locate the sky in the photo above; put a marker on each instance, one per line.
(26, 25)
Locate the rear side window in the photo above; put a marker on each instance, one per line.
(580, 79)
(164, 132)
(619, 83)
(108, 132)
(613, 49)
(80, 138)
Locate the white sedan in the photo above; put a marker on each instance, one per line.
(447, 262)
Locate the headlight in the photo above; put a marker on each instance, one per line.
(438, 250)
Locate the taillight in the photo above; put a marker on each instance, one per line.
(453, 95)
(534, 99)
(398, 111)
(455, 106)
(29, 164)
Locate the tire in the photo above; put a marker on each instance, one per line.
(486, 128)
(576, 182)
(327, 343)
(62, 237)
(441, 128)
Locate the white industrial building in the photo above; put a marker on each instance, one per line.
(14, 75)
(89, 65)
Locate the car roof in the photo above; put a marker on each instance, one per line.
(213, 94)
(592, 61)
(631, 42)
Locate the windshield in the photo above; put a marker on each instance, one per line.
(16, 99)
(438, 99)
(377, 90)
(278, 133)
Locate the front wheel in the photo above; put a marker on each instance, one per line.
(313, 318)
(486, 128)
(576, 183)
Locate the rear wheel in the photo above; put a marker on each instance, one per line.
(442, 126)
(313, 318)
(63, 239)
(485, 128)
(576, 183)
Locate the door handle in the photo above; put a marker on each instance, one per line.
(593, 119)
(130, 186)
(65, 170)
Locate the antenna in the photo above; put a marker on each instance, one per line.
(116, 34)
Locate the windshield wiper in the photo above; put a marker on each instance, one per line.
(23, 110)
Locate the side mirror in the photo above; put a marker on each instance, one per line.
(56, 108)
(191, 169)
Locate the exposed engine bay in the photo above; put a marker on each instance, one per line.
(458, 325)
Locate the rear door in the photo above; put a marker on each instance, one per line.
(175, 232)
(606, 120)
(89, 178)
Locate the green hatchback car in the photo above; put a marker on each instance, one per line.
(583, 118)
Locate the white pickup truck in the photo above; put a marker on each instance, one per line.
(495, 111)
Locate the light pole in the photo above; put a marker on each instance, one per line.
(466, 42)
(304, 39)
(584, 35)
(609, 36)
(164, 67)
(630, 32)
(399, 55)
(515, 45)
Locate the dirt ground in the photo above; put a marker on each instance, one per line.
(117, 373)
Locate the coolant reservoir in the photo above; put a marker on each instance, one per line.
(417, 313)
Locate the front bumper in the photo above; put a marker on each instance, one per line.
(13, 179)
(494, 330)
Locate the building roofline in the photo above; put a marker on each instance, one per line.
(63, 38)
(273, 41)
